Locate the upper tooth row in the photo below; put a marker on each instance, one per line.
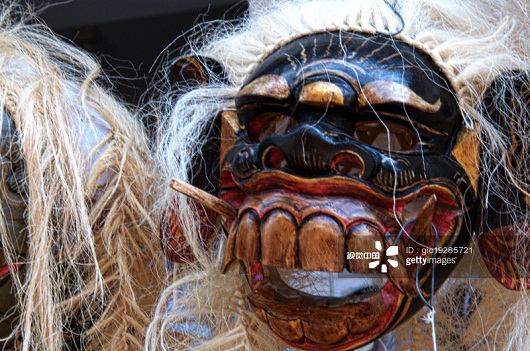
(317, 244)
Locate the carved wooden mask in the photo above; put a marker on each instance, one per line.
(344, 158)
(347, 160)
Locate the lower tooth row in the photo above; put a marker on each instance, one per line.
(296, 330)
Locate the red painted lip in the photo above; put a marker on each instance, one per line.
(232, 191)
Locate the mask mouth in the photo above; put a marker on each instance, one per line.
(296, 245)
(301, 283)
(283, 229)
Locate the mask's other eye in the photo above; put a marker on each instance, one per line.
(385, 136)
(269, 123)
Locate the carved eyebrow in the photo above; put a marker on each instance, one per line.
(385, 92)
(267, 86)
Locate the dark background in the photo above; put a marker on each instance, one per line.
(131, 37)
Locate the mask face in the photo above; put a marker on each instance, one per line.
(344, 158)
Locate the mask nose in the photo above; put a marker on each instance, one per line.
(308, 149)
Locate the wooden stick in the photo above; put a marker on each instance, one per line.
(215, 204)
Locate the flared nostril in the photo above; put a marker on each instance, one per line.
(274, 158)
(310, 150)
(348, 164)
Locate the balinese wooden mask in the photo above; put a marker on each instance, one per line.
(347, 160)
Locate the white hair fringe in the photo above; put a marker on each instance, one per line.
(92, 274)
(472, 41)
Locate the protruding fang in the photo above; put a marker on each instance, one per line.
(412, 208)
(229, 257)
(398, 271)
(213, 203)
(423, 224)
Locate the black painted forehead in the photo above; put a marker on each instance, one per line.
(363, 71)
(363, 56)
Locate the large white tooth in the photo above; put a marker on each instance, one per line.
(278, 240)
(364, 247)
(321, 245)
(247, 240)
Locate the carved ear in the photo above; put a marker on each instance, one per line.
(193, 71)
(503, 227)
(201, 71)
(196, 71)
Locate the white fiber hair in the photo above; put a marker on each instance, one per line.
(89, 277)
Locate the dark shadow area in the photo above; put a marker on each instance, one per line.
(130, 50)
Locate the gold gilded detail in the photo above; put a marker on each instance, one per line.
(268, 86)
(229, 128)
(382, 91)
(466, 152)
(322, 94)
